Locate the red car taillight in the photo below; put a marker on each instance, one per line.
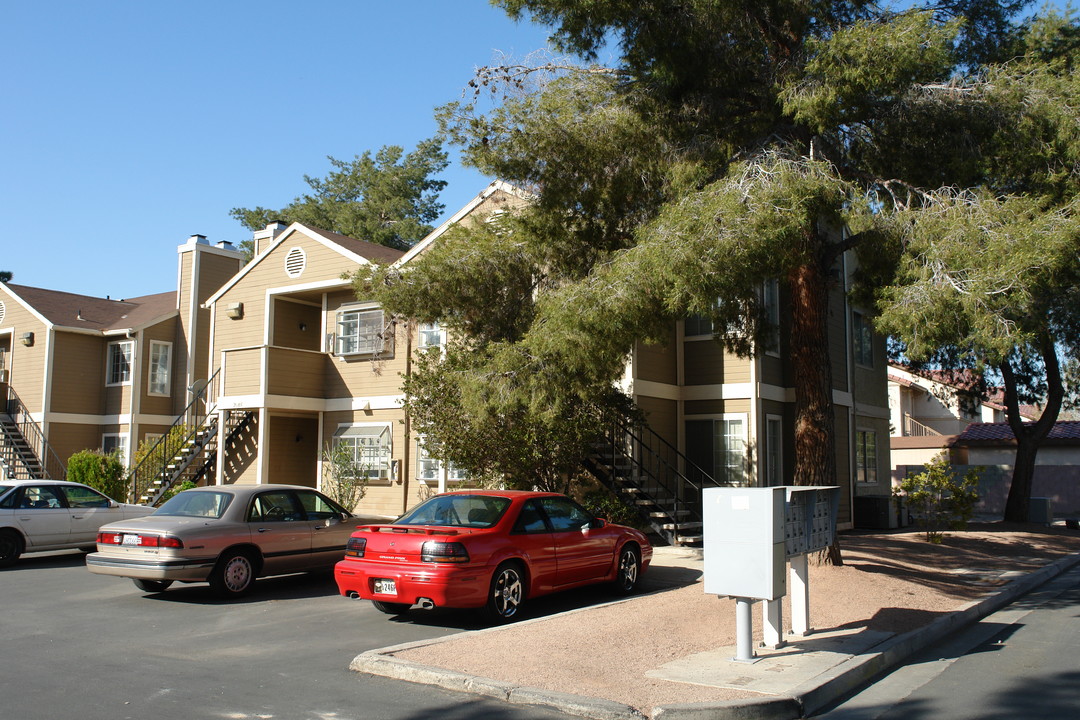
(355, 547)
(435, 551)
(111, 538)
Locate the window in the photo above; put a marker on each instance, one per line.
(318, 507)
(119, 369)
(866, 456)
(774, 450)
(431, 335)
(160, 366)
(115, 444)
(531, 520)
(429, 466)
(564, 514)
(370, 449)
(274, 506)
(696, 325)
(863, 340)
(718, 447)
(84, 497)
(360, 332)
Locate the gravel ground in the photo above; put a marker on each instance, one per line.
(891, 582)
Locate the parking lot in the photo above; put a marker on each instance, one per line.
(77, 645)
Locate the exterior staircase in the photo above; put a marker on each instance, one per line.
(188, 451)
(25, 453)
(651, 476)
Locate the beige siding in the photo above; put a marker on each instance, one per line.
(662, 416)
(704, 363)
(296, 325)
(843, 466)
(298, 373)
(773, 371)
(240, 464)
(716, 406)
(242, 372)
(383, 498)
(69, 438)
(871, 383)
(27, 364)
(78, 378)
(294, 450)
(658, 362)
(156, 404)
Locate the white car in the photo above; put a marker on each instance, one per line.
(38, 515)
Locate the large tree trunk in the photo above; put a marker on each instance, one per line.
(815, 428)
(1029, 435)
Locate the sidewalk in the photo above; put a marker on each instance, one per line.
(793, 681)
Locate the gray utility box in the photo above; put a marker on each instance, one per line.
(749, 533)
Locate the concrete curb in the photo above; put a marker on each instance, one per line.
(809, 697)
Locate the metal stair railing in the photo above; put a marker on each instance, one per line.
(650, 474)
(153, 475)
(32, 458)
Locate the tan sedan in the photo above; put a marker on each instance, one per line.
(226, 535)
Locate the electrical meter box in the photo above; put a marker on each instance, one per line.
(744, 542)
(750, 533)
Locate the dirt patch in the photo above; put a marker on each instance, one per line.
(891, 582)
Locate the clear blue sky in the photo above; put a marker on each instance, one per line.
(127, 126)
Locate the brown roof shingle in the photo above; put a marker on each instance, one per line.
(70, 310)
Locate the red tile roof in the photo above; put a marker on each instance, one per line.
(1064, 432)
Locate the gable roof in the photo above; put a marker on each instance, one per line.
(92, 314)
(1064, 432)
(360, 252)
(494, 187)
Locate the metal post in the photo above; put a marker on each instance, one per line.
(744, 630)
(800, 595)
(772, 623)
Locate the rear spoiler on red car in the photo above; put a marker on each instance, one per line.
(404, 529)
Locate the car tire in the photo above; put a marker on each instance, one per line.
(506, 592)
(234, 574)
(11, 547)
(152, 586)
(628, 570)
(391, 608)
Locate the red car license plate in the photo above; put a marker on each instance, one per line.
(385, 587)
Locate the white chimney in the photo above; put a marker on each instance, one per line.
(262, 239)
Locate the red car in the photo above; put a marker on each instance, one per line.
(488, 549)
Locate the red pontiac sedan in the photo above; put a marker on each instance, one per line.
(488, 549)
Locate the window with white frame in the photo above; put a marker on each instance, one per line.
(431, 335)
(774, 450)
(428, 467)
(863, 339)
(730, 448)
(119, 368)
(115, 444)
(160, 368)
(866, 456)
(360, 332)
(370, 447)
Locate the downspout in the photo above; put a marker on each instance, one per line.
(406, 454)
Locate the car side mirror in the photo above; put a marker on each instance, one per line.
(597, 523)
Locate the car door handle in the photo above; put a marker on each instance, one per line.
(77, 517)
(262, 529)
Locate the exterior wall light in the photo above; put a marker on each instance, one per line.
(235, 310)
(27, 339)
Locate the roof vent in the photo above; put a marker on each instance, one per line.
(3, 311)
(295, 262)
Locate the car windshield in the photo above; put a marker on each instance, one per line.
(196, 504)
(479, 511)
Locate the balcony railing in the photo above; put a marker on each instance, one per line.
(914, 428)
(48, 463)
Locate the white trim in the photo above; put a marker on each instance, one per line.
(117, 419)
(308, 232)
(150, 366)
(290, 402)
(457, 217)
(109, 363)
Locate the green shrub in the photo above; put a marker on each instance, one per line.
(938, 500)
(100, 471)
(178, 488)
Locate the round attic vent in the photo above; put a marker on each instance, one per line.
(295, 262)
(3, 311)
